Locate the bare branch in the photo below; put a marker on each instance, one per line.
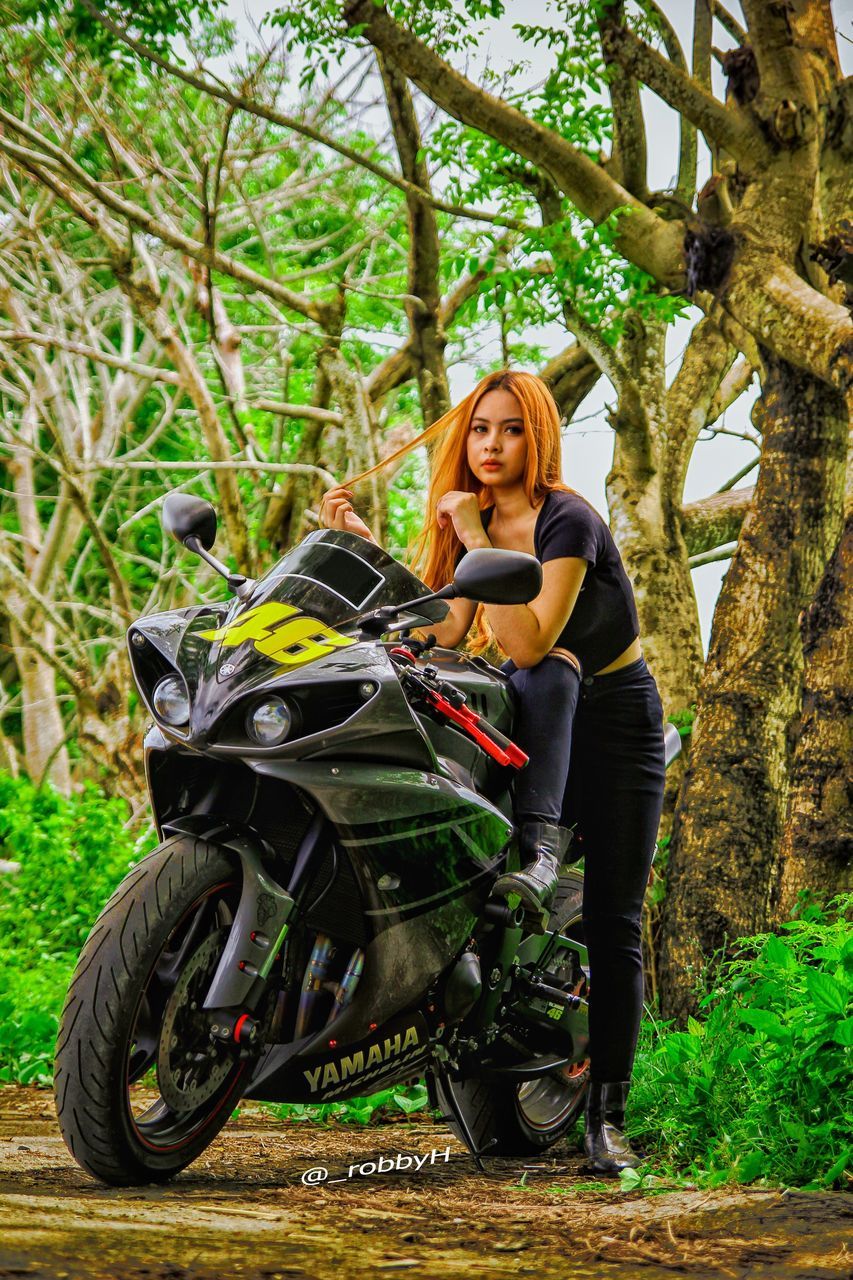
(260, 109)
(732, 387)
(330, 416)
(715, 520)
(683, 93)
(707, 359)
(151, 372)
(139, 217)
(739, 475)
(711, 557)
(654, 244)
(571, 375)
(427, 335)
(628, 162)
(729, 23)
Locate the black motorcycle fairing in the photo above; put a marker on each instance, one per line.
(289, 624)
(350, 704)
(162, 644)
(415, 839)
(330, 578)
(325, 1068)
(356, 587)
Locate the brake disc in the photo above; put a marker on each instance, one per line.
(190, 1073)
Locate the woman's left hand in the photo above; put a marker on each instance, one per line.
(463, 510)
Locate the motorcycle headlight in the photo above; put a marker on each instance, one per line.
(270, 722)
(171, 701)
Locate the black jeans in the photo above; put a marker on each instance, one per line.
(597, 764)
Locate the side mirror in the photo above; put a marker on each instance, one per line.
(492, 575)
(187, 517)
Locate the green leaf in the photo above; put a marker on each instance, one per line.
(750, 1166)
(764, 1020)
(826, 993)
(836, 1169)
(842, 1032)
(778, 953)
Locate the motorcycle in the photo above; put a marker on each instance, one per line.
(334, 802)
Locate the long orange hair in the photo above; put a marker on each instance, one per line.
(432, 553)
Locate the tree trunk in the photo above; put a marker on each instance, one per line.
(361, 437)
(729, 822)
(45, 756)
(647, 523)
(656, 428)
(817, 843)
(423, 306)
(107, 732)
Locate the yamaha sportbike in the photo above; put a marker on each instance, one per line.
(334, 803)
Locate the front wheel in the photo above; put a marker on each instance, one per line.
(532, 1116)
(140, 1089)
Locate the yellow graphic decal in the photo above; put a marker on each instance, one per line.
(254, 624)
(278, 634)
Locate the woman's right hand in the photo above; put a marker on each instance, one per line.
(336, 512)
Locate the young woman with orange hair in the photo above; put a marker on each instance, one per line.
(588, 711)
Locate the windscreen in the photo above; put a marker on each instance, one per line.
(304, 609)
(334, 576)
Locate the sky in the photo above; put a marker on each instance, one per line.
(588, 441)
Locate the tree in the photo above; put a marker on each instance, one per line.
(160, 252)
(575, 276)
(749, 256)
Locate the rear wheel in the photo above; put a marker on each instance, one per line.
(140, 1088)
(532, 1116)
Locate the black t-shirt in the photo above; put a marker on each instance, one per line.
(604, 620)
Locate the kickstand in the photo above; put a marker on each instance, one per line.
(460, 1120)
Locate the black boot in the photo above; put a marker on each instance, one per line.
(604, 1142)
(544, 843)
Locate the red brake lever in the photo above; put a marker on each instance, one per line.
(491, 741)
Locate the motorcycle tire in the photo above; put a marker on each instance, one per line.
(131, 1013)
(527, 1118)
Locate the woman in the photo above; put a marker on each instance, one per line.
(589, 714)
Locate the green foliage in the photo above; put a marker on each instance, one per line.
(321, 29)
(157, 23)
(683, 719)
(72, 853)
(32, 991)
(406, 505)
(759, 1087)
(386, 1104)
(560, 257)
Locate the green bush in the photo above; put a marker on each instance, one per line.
(397, 1102)
(759, 1086)
(73, 852)
(31, 998)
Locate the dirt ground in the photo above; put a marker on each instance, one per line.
(244, 1210)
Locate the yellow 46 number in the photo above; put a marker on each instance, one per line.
(281, 632)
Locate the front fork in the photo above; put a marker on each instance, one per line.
(259, 929)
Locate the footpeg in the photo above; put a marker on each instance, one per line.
(541, 990)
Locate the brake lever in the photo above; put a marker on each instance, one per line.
(419, 647)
